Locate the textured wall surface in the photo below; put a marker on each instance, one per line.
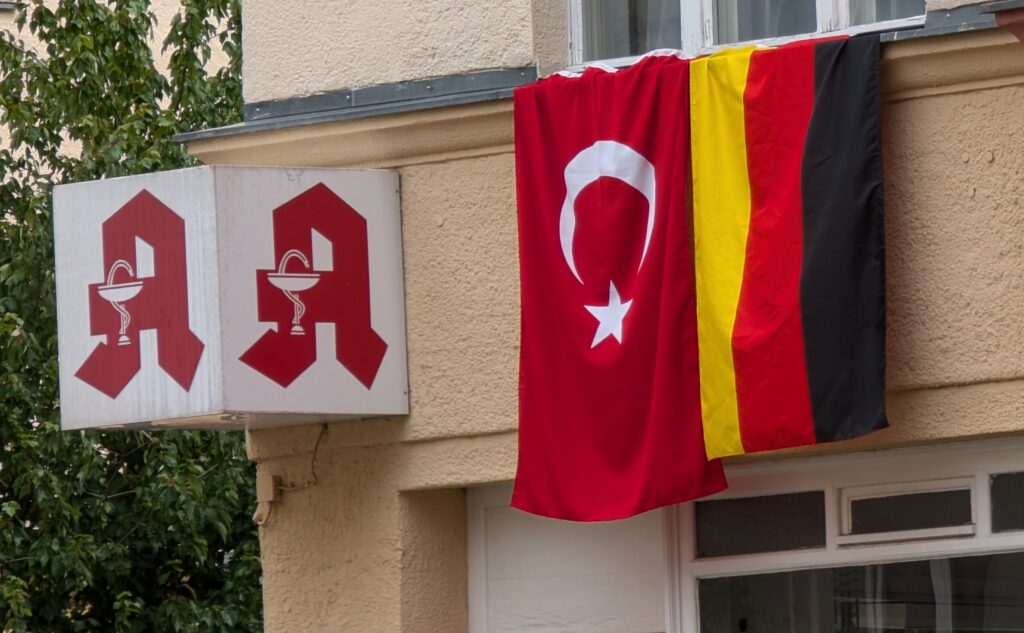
(292, 49)
(367, 549)
(944, 5)
(550, 35)
(955, 203)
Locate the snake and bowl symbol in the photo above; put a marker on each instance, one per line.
(293, 283)
(120, 293)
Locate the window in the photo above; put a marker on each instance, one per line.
(613, 28)
(927, 539)
(617, 30)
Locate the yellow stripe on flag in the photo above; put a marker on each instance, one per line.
(721, 218)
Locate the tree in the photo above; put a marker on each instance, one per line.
(108, 531)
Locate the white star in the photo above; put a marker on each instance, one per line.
(609, 317)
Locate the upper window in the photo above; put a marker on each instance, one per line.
(620, 29)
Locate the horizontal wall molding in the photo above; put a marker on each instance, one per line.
(912, 68)
(957, 62)
(407, 138)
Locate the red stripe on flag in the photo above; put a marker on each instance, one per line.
(768, 343)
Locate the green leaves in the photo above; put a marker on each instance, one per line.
(108, 531)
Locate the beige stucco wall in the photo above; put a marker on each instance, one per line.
(378, 544)
(945, 5)
(330, 45)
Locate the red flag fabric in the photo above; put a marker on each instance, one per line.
(609, 405)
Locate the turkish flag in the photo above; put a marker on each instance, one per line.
(609, 399)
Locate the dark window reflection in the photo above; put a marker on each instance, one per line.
(744, 20)
(770, 523)
(1008, 502)
(975, 594)
(621, 28)
(914, 511)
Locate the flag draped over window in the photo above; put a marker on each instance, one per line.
(787, 212)
(701, 252)
(609, 396)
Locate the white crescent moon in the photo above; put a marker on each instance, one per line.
(614, 160)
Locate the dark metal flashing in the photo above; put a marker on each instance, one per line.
(1001, 5)
(8, 6)
(959, 20)
(417, 91)
(405, 96)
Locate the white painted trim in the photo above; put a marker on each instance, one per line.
(477, 501)
(825, 12)
(575, 33)
(707, 24)
(671, 526)
(841, 13)
(689, 620)
(691, 23)
(982, 498)
(888, 25)
(846, 540)
(968, 464)
(856, 493)
(992, 454)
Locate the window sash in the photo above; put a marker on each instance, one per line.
(698, 29)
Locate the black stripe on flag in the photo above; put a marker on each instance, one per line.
(842, 291)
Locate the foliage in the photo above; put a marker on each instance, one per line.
(108, 531)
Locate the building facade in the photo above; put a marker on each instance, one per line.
(401, 524)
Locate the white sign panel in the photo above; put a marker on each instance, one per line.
(223, 296)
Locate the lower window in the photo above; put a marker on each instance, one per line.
(909, 540)
(945, 595)
(921, 540)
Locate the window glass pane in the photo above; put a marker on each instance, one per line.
(618, 28)
(742, 20)
(977, 594)
(760, 524)
(868, 11)
(916, 511)
(1008, 502)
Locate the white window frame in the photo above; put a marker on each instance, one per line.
(697, 29)
(857, 493)
(948, 466)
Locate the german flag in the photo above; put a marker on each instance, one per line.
(788, 243)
